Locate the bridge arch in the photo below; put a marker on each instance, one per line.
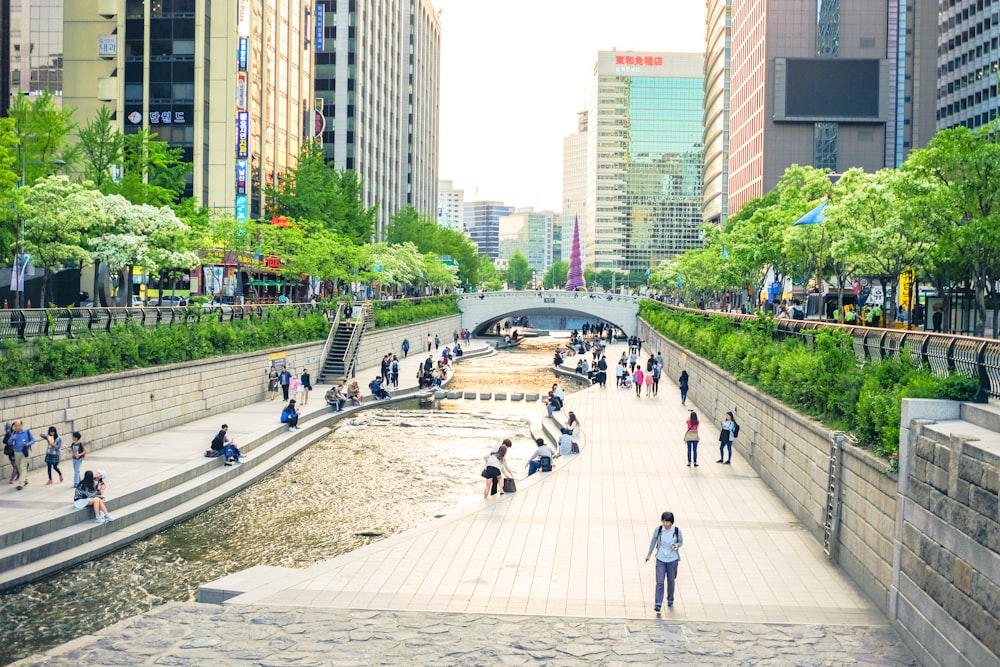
(482, 310)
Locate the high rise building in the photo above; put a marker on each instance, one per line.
(834, 84)
(379, 78)
(531, 233)
(33, 54)
(230, 83)
(968, 62)
(717, 23)
(574, 182)
(451, 206)
(644, 159)
(482, 225)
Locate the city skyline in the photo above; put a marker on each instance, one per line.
(505, 110)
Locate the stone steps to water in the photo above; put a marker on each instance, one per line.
(441, 394)
(986, 415)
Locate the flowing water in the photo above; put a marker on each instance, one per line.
(381, 472)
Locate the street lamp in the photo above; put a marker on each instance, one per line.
(21, 259)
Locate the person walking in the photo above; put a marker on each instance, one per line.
(306, 383)
(78, 452)
(406, 347)
(657, 370)
(682, 382)
(272, 383)
(727, 435)
(637, 378)
(52, 448)
(667, 541)
(284, 379)
(602, 371)
(691, 438)
(430, 342)
(22, 441)
(437, 341)
(619, 374)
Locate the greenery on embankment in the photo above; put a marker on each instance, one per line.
(127, 346)
(820, 378)
(397, 313)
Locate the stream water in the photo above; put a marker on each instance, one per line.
(381, 472)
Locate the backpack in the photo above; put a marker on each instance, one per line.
(797, 313)
(736, 430)
(676, 535)
(8, 428)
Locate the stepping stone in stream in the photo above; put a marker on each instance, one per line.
(470, 395)
(500, 396)
(454, 394)
(531, 397)
(440, 394)
(516, 397)
(485, 396)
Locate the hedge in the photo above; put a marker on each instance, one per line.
(820, 376)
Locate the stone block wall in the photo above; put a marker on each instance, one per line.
(376, 343)
(125, 406)
(791, 454)
(948, 579)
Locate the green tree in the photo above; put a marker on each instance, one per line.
(9, 166)
(102, 147)
(42, 130)
(518, 271)
(153, 172)
(488, 275)
(314, 190)
(556, 275)
(57, 214)
(962, 167)
(409, 226)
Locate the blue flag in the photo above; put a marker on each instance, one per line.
(814, 216)
(680, 283)
(725, 253)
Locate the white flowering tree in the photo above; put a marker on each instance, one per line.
(57, 215)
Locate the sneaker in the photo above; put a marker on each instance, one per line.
(695, 465)
(291, 428)
(670, 604)
(99, 519)
(656, 608)
(729, 463)
(48, 482)
(18, 487)
(720, 461)
(108, 518)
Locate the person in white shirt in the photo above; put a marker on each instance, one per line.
(534, 464)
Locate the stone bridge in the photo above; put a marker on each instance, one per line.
(482, 310)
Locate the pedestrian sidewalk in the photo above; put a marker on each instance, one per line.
(573, 542)
(160, 478)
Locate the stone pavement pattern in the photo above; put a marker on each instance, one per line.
(237, 635)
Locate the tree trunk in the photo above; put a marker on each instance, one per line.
(980, 287)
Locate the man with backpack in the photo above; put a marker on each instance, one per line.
(667, 541)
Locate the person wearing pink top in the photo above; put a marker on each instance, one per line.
(637, 379)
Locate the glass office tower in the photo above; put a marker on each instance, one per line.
(644, 159)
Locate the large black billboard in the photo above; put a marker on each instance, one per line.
(835, 88)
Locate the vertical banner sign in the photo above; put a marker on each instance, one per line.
(241, 91)
(243, 18)
(241, 211)
(241, 177)
(243, 134)
(320, 24)
(242, 54)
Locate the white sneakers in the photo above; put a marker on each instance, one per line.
(103, 518)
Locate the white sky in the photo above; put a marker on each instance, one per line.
(515, 73)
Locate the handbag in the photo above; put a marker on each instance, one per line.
(485, 473)
(691, 435)
(8, 450)
(509, 485)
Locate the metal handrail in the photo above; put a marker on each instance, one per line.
(21, 324)
(971, 356)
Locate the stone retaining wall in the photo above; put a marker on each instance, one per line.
(128, 405)
(948, 554)
(791, 454)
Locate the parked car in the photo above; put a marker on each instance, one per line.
(169, 300)
(137, 301)
(216, 307)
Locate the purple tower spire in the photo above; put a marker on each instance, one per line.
(574, 280)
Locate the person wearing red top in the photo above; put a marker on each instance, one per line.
(691, 438)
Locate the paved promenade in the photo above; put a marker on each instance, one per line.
(553, 574)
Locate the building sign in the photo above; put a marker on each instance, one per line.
(241, 91)
(319, 123)
(241, 209)
(906, 288)
(159, 117)
(107, 46)
(640, 61)
(243, 18)
(241, 177)
(320, 25)
(242, 54)
(243, 134)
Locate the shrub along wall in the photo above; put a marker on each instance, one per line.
(791, 454)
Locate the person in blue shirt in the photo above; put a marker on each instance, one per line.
(667, 541)
(22, 441)
(284, 379)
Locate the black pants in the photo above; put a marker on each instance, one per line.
(293, 421)
(284, 391)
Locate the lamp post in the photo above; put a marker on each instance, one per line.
(20, 258)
